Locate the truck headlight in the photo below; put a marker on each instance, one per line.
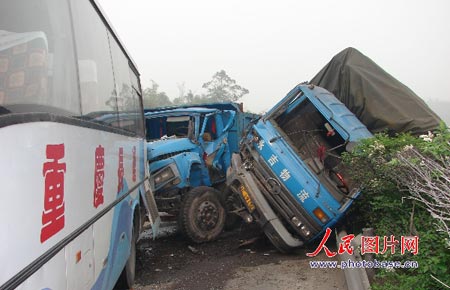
(301, 226)
(165, 176)
(305, 230)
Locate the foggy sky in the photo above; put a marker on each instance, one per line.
(270, 46)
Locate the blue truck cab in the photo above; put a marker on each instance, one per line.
(189, 150)
(289, 176)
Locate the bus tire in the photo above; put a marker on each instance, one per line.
(126, 279)
(202, 215)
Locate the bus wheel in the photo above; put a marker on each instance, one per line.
(126, 279)
(202, 215)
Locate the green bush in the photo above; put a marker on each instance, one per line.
(387, 205)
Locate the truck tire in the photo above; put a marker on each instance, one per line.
(202, 215)
(126, 279)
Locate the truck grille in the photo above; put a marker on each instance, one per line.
(280, 199)
(165, 156)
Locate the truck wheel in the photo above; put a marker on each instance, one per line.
(126, 279)
(202, 215)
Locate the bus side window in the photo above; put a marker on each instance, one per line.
(98, 100)
(37, 64)
(23, 69)
(128, 104)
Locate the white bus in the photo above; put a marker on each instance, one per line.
(73, 177)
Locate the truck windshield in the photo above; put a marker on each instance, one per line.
(318, 145)
(178, 126)
(37, 62)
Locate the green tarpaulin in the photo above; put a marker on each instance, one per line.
(381, 102)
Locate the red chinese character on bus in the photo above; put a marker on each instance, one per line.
(53, 172)
(321, 246)
(134, 170)
(120, 171)
(410, 244)
(345, 246)
(391, 243)
(370, 245)
(99, 175)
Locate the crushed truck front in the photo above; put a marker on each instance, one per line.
(289, 174)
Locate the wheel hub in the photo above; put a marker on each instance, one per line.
(208, 215)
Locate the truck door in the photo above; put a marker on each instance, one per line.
(214, 140)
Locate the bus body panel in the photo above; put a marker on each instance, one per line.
(51, 276)
(24, 184)
(81, 246)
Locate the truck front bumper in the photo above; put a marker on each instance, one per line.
(270, 223)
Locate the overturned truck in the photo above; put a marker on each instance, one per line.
(289, 176)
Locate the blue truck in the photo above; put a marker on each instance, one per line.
(288, 175)
(189, 151)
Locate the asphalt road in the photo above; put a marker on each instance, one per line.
(239, 259)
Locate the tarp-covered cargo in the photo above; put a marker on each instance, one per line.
(380, 101)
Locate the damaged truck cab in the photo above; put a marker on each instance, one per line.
(189, 151)
(288, 176)
(182, 140)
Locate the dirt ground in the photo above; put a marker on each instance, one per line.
(171, 262)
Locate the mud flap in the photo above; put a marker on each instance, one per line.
(151, 208)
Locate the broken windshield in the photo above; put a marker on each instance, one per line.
(170, 127)
(318, 145)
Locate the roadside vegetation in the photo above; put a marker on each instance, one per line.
(221, 88)
(406, 192)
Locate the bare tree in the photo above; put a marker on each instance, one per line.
(428, 181)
